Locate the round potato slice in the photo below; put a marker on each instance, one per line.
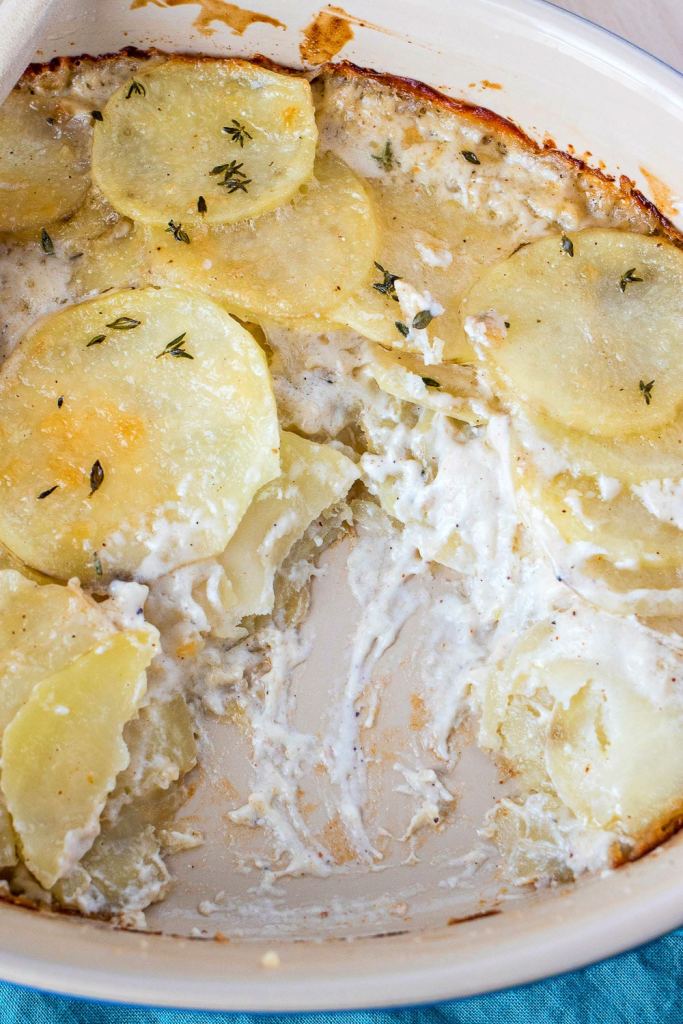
(616, 758)
(587, 329)
(619, 525)
(238, 135)
(136, 429)
(43, 163)
(632, 459)
(297, 261)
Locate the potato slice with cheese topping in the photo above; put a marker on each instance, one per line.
(136, 429)
(297, 261)
(62, 751)
(42, 630)
(586, 329)
(240, 136)
(43, 162)
(618, 524)
(450, 389)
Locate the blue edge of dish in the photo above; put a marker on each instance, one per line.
(660, 962)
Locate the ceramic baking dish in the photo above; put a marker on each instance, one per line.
(552, 73)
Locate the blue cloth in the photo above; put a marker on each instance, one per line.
(644, 986)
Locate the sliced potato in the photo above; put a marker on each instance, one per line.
(296, 262)
(620, 526)
(313, 477)
(632, 459)
(151, 459)
(8, 842)
(437, 247)
(241, 136)
(450, 389)
(594, 337)
(43, 163)
(616, 758)
(42, 630)
(62, 751)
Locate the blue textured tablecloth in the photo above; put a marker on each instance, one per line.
(644, 986)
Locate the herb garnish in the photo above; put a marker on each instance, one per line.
(48, 492)
(385, 158)
(97, 340)
(175, 348)
(96, 477)
(96, 115)
(387, 286)
(201, 205)
(60, 401)
(178, 232)
(46, 243)
(234, 177)
(402, 328)
(124, 323)
(136, 89)
(422, 319)
(238, 133)
(628, 278)
(507, 324)
(567, 245)
(430, 382)
(646, 390)
(98, 564)
(471, 157)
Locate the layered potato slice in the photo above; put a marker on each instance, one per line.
(618, 524)
(136, 429)
(586, 329)
(296, 262)
(437, 248)
(447, 388)
(63, 749)
(313, 477)
(239, 136)
(591, 711)
(44, 167)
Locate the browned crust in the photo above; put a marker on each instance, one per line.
(473, 917)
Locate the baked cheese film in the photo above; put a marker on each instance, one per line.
(251, 318)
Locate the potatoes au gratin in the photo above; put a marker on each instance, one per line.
(249, 316)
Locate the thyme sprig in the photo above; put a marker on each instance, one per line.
(175, 348)
(136, 89)
(385, 158)
(628, 278)
(387, 286)
(178, 232)
(237, 132)
(646, 390)
(234, 178)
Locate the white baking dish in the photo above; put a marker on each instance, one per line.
(588, 89)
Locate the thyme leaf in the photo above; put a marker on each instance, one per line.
(201, 205)
(234, 180)
(422, 319)
(387, 285)
(96, 477)
(98, 564)
(60, 401)
(48, 492)
(628, 278)
(175, 348)
(136, 89)
(567, 245)
(471, 157)
(96, 115)
(46, 243)
(237, 132)
(97, 340)
(178, 232)
(646, 389)
(385, 158)
(430, 382)
(402, 328)
(124, 323)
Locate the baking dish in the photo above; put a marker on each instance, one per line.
(548, 72)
